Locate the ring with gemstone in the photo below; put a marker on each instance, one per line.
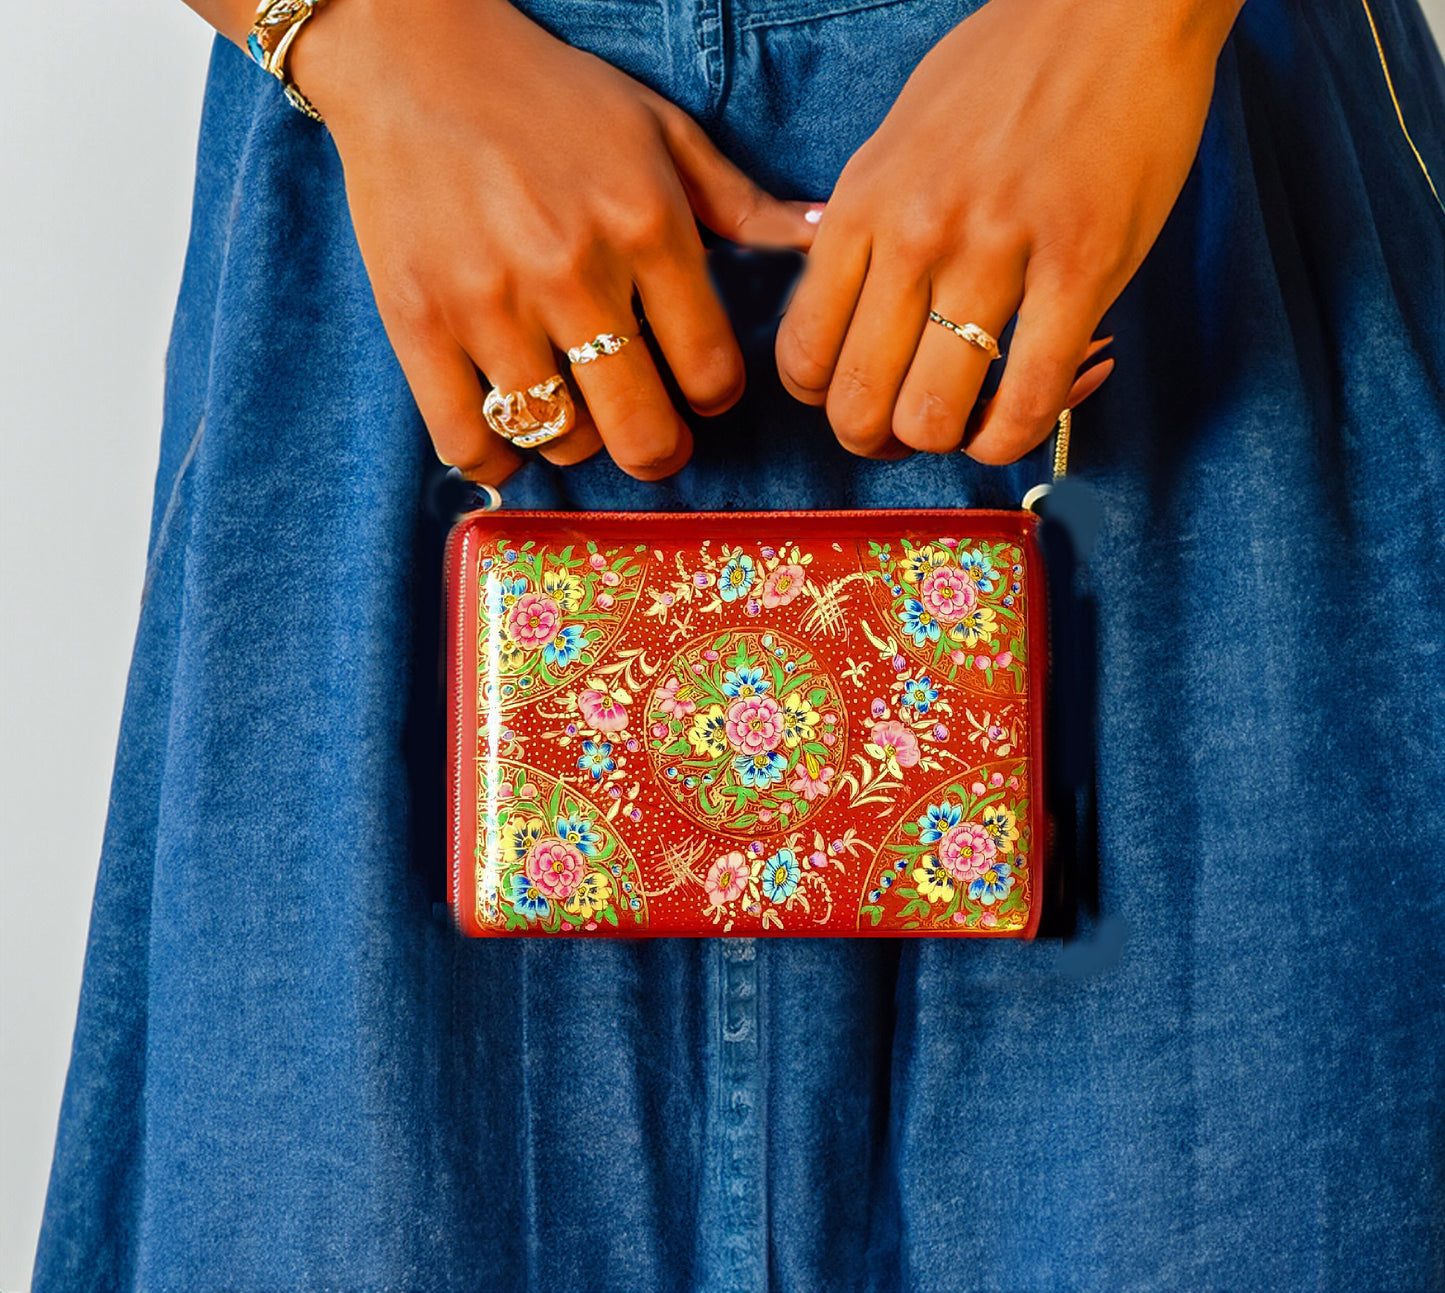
(971, 333)
(532, 417)
(604, 343)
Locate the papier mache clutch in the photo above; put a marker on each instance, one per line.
(785, 723)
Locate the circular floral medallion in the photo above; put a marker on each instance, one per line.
(548, 861)
(746, 731)
(955, 604)
(546, 614)
(960, 857)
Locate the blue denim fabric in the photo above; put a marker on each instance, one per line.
(290, 1075)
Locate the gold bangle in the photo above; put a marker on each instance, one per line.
(269, 40)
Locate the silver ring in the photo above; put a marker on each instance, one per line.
(604, 343)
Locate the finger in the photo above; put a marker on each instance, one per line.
(882, 338)
(948, 371)
(630, 406)
(584, 439)
(515, 357)
(1049, 343)
(727, 201)
(690, 324)
(811, 334)
(449, 396)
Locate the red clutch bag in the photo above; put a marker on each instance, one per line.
(775, 723)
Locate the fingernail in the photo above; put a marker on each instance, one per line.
(814, 214)
(1092, 379)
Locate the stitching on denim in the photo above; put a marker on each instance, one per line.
(838, 11)
(164, 529)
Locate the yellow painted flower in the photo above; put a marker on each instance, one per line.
(920, 563)
(800, 719)
(1001, 827)
(564, 588)
(510, 657)
(518, 836)
(934, 883)
(977, 626)
(708, 734)
(593, 894)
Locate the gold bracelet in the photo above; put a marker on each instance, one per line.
(276, 25)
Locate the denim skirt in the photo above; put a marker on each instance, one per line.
(290, 1074)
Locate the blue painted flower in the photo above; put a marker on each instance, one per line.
(993, 885)
(747, 681)
(579, 832)
(503, 591)
(596, 758)
(919, 694)
(780, 876)
(528, 899)
(938, 821)
(760, 770)
(918, 623)
(566, 646)
(735, 578)
(980, 569)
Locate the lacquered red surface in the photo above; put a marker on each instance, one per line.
(743, 724)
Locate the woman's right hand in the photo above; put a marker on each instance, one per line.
(508, 194)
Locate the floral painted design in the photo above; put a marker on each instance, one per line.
(948, 603)
(758, 738)
(550, 862)
(957, 861)
(547, 612)
(746, 731)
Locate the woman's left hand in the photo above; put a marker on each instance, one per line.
(1027, 167)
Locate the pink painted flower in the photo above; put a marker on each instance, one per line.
(610, 578)
(958, 657)
(948, 594)
(818, 858)
(812, 785)
(988, 919)
(725, 878)
(754, 724)
(555, 867)
(995, 778)
(892, 735)
(596, 561)
(784, 584)
(674, 698)
(602, 710)
(533, 621)
(1003, 659)
(981, 662)
(966, 851)
(606, 601)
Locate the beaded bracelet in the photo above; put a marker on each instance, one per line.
(277, 22)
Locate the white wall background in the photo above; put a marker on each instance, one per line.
(99, 106)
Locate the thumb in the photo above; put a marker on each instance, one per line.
(726, 200)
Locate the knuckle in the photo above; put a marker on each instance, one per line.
(924, 234)
(641, 226)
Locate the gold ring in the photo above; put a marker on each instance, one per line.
(971, 333)
(604, 343)
(531, 417)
